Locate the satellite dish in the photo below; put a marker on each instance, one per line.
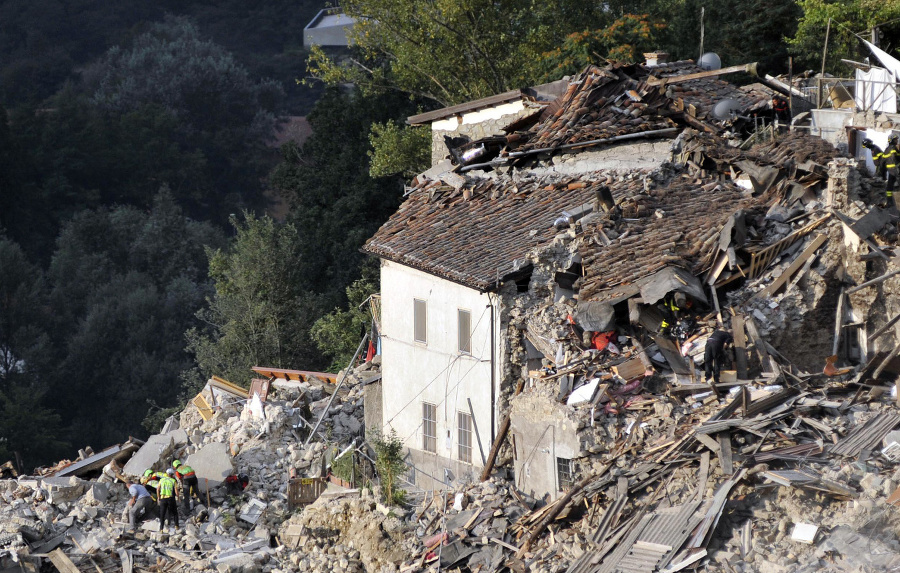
(722, 110)
(710, 61)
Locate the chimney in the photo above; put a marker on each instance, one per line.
(656, 58)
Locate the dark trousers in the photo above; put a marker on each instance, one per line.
(713, 361)
(168, 507)
(190, 486)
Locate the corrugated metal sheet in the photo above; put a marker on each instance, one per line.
(867, 436)
(641, 550)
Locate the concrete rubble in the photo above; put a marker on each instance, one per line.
(62, 520)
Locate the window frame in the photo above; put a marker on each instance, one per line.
(464, 437)
(459, 332)
(424, 321)
(429, 439)
(565, 477)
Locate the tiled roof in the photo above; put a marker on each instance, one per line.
(672, 225)
(600, 103)
(473, 241)
(615, 100)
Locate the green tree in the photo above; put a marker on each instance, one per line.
(625, 39)
(449, 51)
(262, 308)
(848, 18)
(29, 430)
(337, 334)
(398, 149)
(389, 464)
(218, 107)
(336, 204)
(125, 285)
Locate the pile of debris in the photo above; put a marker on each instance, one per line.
(266, 438)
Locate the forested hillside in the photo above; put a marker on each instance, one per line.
(136, 166)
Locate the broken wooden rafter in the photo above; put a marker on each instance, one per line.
(874, 281)
(747, 68)
(883, 329)
(806, 255)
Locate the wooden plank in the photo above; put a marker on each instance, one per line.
(672, 355)
(725, 460)
(703, 476)
(62, 562)
(740, 346)
(883, 329)
(873, 282)
(886, 361)
(710, 443)
(715, 297)
(717, 269)
(759, 344)
(203, 406)
(630, 369)
(838, 321)
(810, 250)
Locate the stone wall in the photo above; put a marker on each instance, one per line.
(475, 125)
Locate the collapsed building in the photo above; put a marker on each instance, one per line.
(525, 281)
(552, 405)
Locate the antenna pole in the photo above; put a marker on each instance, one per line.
(702, 14)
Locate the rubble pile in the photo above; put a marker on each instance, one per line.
(85, 520)
(347, 532)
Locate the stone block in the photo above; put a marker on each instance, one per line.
(178, 436)
(154, 454)
(213, 463)
(98, 492)
(63, 490)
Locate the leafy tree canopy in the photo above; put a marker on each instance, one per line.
(338, 333)
(336, 205)
(262, 308)
(848, 18)
(124, 287)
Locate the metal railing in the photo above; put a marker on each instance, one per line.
(841, 93)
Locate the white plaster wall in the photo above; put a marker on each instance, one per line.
(478, 116)
(435, 372)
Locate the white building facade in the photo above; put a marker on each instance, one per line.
(440, 359)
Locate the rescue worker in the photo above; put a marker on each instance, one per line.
(782, 112)
(168, 505)
(140, 504)
(151, 481)
(672, 308)
(714, 356)
(890, 164)
(190, 486)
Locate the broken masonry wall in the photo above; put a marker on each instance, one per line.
(545, 432)
(535, 324)
(475, 125)
(623, 157)
(831, 124)
(372, 405)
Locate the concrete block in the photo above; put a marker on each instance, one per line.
(153, 454)
(30, 482)
(212, 462)
(178, 436)
(98, 492)
(62, 490)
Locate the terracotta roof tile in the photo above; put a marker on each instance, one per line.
(474, 241)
